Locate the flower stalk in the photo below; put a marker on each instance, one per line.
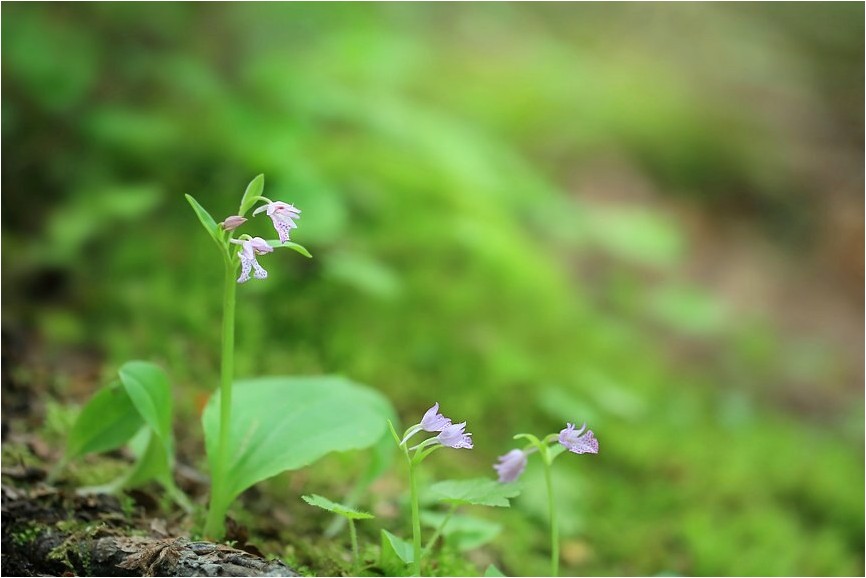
(511, 465)
(554, 523)
(416, 518)
(283, 217)
(449, 435)
(214, 524)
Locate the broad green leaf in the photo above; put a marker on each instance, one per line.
(206, 220)
(492, 571)
(152, 464)
(382, 456)
(392, 547)
(148, 388)
(286, 423)
(464, 532)
(107, 422)
(277, 244)
(477, 491)
(254, 189)
(345, 511)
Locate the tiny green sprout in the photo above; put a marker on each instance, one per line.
(350, 514)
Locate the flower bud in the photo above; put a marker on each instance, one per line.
(233, 222)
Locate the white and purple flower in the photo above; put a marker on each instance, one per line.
(450, 434)
(249, 249)
(283, 216)
(433, 420)
(455, 436)
(510, 466)
(578, 442)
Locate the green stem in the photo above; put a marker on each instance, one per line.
(416, 519)
(353, 534)
(554, 526)
(439, 530)
(214, 525)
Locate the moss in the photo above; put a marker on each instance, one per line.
(28, 534)
(72, 549)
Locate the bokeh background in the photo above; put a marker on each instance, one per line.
(646, 217)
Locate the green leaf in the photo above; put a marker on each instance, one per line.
(277, 244)
(530, 438)
(286, 423)
(107, 422)
(254, 189)
(345, 511)
(207, 221)
(394, 432)
(381, 458)
(152, 463)
(477, 491)
(464, 532)
(395, 548)
(148, 388)
(492, 571)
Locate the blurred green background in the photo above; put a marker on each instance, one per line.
(646, 217)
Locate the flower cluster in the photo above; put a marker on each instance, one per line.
(283, 216)
(511, 465)
(452, 435)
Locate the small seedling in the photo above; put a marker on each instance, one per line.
(512, 464)
(350, 514)
(448, 435)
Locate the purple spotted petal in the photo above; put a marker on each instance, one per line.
(249, 249)
(282, 215)
(578, 441)
(510, 466)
